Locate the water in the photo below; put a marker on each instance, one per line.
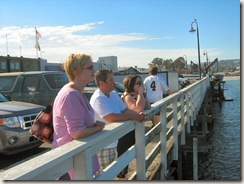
(223, 159)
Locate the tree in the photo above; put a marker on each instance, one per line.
(158, 62)
(180, 64)
(167, 64)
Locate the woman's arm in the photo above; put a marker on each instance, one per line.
(88, 131)
(138, 104)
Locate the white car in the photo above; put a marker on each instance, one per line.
(183, 82)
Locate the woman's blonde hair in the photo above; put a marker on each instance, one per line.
(75, 62)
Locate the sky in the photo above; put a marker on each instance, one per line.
(136, 31)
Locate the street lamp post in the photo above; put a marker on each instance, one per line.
(198, 45)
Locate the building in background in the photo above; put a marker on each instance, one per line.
(108, 62)
(22, 64)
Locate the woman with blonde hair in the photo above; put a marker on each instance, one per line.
(73, 116)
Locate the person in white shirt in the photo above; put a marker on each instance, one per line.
(154, 86)
(109, 106)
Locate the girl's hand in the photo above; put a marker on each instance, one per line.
(141, 90)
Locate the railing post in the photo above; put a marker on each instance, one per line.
(183, 132)
(193, 100)
(191, 96)
(140, 151)
(195, 159)
(163, 138)
(82, 165)
(205, 121)
(79, 168)
(188, 113)
(175, 129)
(200, 92)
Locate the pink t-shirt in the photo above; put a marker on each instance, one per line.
(72, 112)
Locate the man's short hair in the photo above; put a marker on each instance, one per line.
(153, 70)
(102, 75)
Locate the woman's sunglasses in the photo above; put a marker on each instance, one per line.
(89, 68)
(139, 83)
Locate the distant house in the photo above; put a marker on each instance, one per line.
(128, 70)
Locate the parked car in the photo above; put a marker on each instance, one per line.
(118, 86)
(38, 87)
(183, 82)
(16, 119)
(92, 86)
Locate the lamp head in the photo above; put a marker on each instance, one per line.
(192, 30)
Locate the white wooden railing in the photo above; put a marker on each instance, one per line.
(177, 112)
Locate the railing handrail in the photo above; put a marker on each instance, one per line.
(78, 153)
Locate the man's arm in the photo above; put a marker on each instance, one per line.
(125, 115)
(169, 92)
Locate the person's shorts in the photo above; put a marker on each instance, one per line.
(107, 156)
(158, 112)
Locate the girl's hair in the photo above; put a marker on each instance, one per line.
(129, 82)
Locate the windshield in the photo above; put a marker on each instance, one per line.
(3, 98)
(7, 83)
(119, 87)
(56, 81)
(91, 84)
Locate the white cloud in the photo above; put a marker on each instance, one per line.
(57, 42)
